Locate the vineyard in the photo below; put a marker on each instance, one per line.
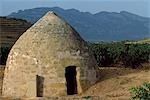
(108, 53)
(120, 53)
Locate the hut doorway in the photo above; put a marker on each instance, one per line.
(39, 86)
(71, 82)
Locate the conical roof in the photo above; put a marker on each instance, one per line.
(47, 49)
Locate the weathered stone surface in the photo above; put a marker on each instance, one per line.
(60, 98)
(46, 49)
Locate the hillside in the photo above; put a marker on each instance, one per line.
(107, 26)
(144, 41)
(147, 40)
(11, 29)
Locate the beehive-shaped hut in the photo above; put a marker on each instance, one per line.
(49, 59)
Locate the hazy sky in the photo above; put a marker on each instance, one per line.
(140, 7)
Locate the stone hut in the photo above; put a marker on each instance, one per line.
(49, 59)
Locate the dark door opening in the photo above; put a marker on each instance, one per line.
(71, 82)
(39, 86)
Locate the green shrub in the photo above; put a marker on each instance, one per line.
(4, 51)
(141, 92)
(130, 55)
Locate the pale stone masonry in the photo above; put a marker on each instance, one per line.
(49, 59)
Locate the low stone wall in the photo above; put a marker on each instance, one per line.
(2, 68)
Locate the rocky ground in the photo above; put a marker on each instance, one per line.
(113, 85)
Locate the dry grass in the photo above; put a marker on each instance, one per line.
(140, 41)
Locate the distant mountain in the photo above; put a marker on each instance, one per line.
(107, 26)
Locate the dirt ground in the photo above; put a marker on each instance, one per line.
(113, 85)
(116, 82)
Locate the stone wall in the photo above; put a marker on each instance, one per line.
(46, 49)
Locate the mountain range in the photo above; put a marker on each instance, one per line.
(102, 26)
